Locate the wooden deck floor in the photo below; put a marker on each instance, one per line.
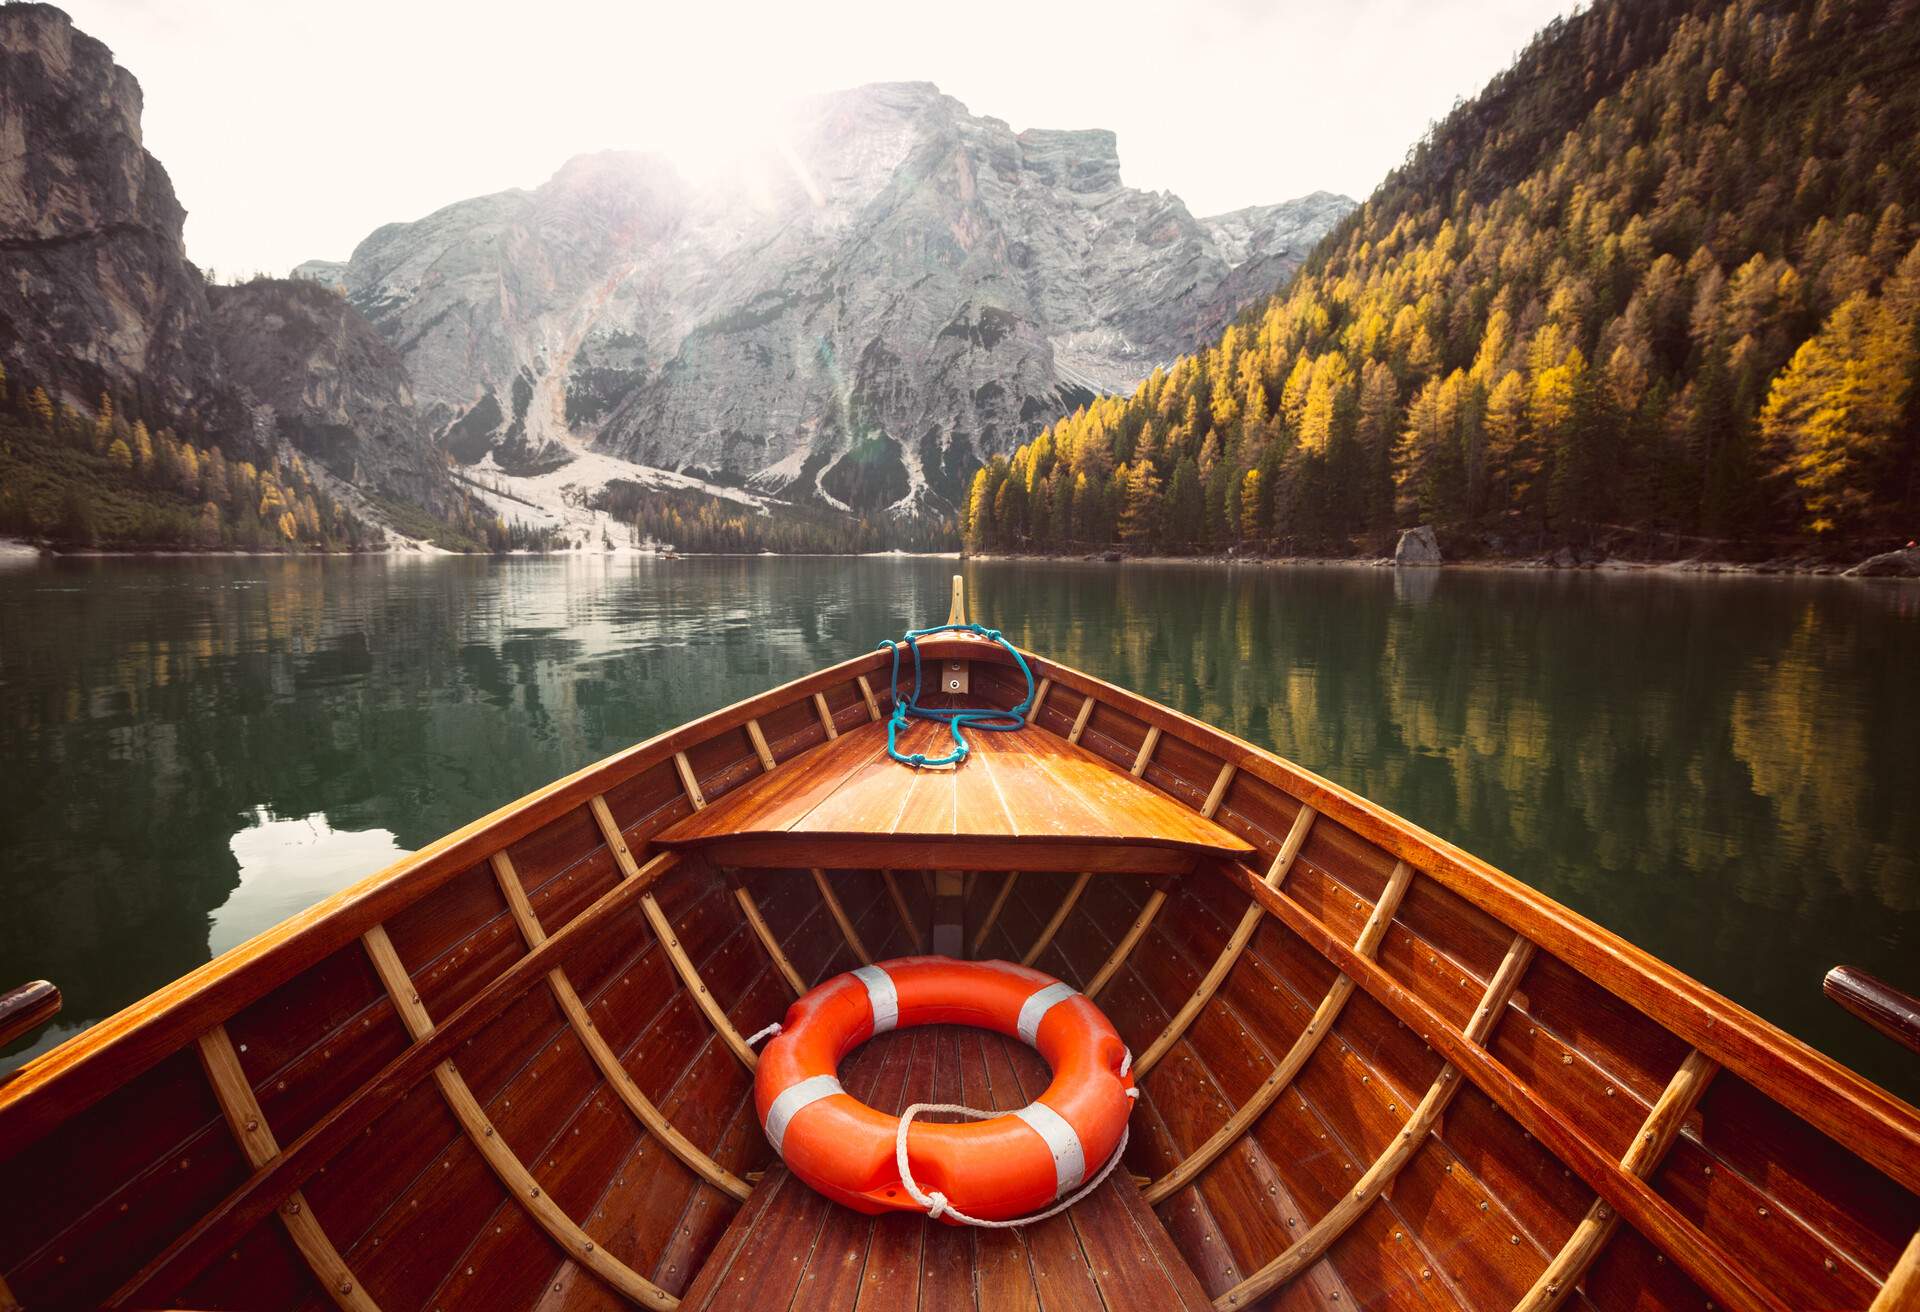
(791, 1248)
(1021, 800)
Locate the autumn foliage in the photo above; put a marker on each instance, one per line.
(1661, 275)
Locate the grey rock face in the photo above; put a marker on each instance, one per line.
(97, 293)
(1417, 546)
(1902, 564)
(329, 384)
(859, 318)
(328, 273)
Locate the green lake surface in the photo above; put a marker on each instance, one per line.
(1726, 771)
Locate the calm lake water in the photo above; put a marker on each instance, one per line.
(1724, 771)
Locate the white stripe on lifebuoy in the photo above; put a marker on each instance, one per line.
(1035, 1009)
(884, 997)
(792, 1099)
(1063, 1141)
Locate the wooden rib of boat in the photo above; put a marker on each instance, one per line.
(510, 1071)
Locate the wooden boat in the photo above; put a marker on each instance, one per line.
(511, 1071)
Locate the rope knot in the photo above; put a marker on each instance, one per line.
(939, 1205)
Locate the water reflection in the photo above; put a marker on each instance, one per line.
(286, 866)
(1720, 769)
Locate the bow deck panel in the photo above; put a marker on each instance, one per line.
(509, 1072)
(1023, 799)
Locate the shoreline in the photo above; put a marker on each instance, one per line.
(21, 551)
(1684, 566)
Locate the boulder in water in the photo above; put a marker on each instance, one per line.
(1418, 546)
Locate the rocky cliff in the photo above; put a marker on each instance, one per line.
(858, 317)
(322, 379)
(97, 293)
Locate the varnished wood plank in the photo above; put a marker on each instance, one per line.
(905, 912)
(1324, 1233)
(1243, 932)
(1036, 804)
(839, 914)
(992, 917)
(687, 781)
(1058, 918)
(720, 1261)
(1124, 948)
(600, 1051)
(764, 932)
(799, 851)
(758, 738)
(1149, 1239)
(677, 954)
(826, 716)
(866, 695)
(1219, 790)
(250, 1130)
(1080, 720)
(1901, 1292)
(690, 977)
(1570, 1264)
(480, 1131)
(1317, 1028)
(216, 1233)
(744, 896)
(775, 802)
(1039, 699)
(1710, 1266)
(1145, 755)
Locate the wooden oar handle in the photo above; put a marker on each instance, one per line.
(1879, 1004)
(26, 1008)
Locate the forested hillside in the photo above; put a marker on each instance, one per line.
(1660, 281)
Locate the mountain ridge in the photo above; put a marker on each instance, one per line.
(1039, 278)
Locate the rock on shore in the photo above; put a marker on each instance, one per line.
(1902, 564)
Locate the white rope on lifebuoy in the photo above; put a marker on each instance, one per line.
(770, 1032)
(936, 1202)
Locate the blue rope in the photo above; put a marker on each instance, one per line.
(979, 717)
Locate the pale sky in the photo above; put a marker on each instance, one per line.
(292, 131)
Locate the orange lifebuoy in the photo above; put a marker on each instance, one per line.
(993, 1170)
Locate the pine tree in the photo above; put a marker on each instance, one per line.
(1185, 513)
(1253, 521)
(1831, 416)
(1140, 516)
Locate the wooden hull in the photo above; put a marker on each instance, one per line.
(509, 1072)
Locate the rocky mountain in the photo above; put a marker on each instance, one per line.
(322, 379)
(98, 297)
(97, 293)
(858, 317)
